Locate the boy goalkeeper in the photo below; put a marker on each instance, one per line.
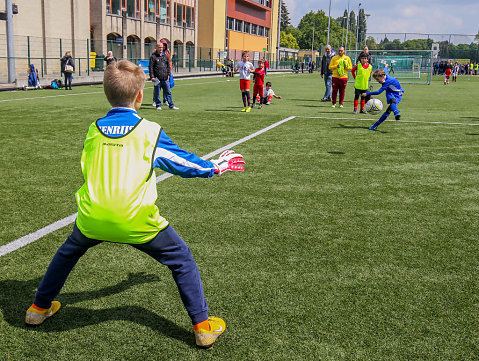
(117, 201)
(361, 73)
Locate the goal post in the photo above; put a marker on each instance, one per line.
(409, 66)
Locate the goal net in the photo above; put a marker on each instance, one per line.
(410, 66)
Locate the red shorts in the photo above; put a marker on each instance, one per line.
(258, 89)
(245, 84)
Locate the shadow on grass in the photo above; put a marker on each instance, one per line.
(16, 295)
(472, 118)
(336, 153)
(471, 133)
(342, 126)
(305, 100)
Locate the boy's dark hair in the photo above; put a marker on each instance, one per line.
(364, 55)
(268, 83)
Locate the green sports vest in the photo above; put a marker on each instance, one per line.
(362, 77)
(476, 67)
(117, 201)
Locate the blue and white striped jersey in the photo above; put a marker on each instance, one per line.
(168, 155)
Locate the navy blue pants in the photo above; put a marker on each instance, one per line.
(167, 248)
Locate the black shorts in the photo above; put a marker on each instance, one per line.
(358, 92)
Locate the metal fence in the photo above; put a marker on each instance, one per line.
(88, 54)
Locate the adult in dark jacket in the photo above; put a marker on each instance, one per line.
(68, 73)
(110, 58)
(160, 72)
(365, 52)
(326, 73)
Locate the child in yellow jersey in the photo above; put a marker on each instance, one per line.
(361, 73)
(117, 202)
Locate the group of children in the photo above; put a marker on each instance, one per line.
(262, 93)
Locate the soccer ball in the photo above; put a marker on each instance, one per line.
(374, 106)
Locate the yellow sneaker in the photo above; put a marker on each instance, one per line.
(35, 317)
(206, 338)
(244, 109)
(248, 109)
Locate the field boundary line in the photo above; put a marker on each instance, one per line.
(34, 236)
(387, 120)
(69, 95)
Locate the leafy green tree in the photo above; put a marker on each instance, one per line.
(371, 43)
(362, 26)
(285, 19)
(319, 22)
(352, 22)
(288, 40)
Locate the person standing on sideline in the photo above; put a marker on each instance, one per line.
(327, 73)
(365, 52)
(110, 58)
(340, 64)
(68, 68)
(160, 72)
(266, 66)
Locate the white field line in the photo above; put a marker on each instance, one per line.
(74, 94)
(388, 120)
(34, 236)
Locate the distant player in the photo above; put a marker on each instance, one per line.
(245, 69)
(268, 94)
(447, 72)
(361, 73)
(394, 93)
(259, 74)
(455, 71)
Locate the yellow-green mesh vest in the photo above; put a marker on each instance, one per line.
(117, 201)
(362, 77)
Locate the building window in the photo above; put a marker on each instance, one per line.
(133, 9)
(164, 11)
(260, 30)
(150, 10)
(246, 27)
(230, 24)
(238, 25)
(179, 14)
(254, 29)
(266, 32)
(189, 17)
(115, 6)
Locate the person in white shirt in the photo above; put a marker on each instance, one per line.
(245, 69)
(268, 94)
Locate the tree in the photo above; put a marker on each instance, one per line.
(352, 22)
(371, 43)
(285, 19)
(288, 40)
(362, 26)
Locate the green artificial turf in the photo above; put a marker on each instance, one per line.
(336, 243)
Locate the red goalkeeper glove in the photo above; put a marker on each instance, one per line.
(229, 160)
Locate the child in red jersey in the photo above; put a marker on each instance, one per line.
(259, 74)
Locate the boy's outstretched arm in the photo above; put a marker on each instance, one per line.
(172, 159)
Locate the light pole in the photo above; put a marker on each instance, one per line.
(365, 37)
(347, 28)
(357, 28)
(329, 21)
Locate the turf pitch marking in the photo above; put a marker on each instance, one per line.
(387, 120)
(34, 236)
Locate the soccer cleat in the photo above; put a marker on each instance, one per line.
(260, 106)
(333, 106)
(166, 103)
(355, 111)
(268, 103)
(252, 106)
(363, 111)
(372, 127)
(174, 108)
(35, 317)
(244, 109)
(206, 338)
(158, 108)
(341, 106)
(154, 104)
(248, 109)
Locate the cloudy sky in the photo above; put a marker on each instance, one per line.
(412, 16)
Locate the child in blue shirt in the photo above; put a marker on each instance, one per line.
(394, 93)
